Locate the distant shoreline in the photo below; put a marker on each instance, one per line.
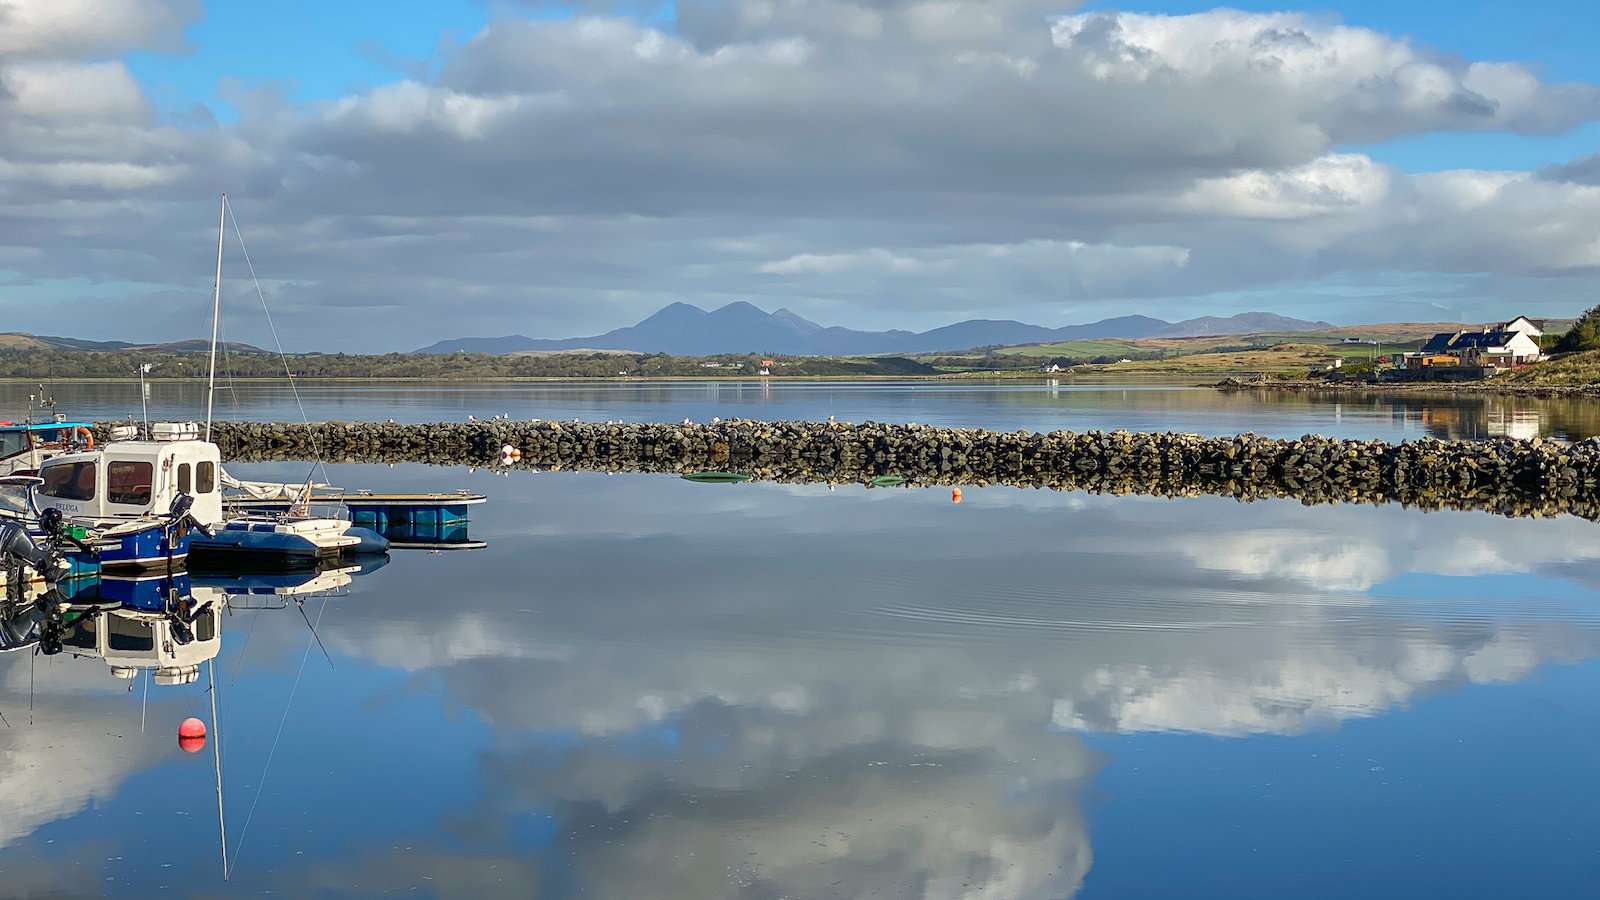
(1487, 388)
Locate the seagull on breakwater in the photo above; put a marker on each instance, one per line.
(472, 418)
(687, 422)
(716, 420)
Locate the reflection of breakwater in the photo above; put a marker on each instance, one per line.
(1512, 477)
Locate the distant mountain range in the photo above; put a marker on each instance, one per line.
(686, 330)
(20, 340)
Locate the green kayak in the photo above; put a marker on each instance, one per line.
(887, 480)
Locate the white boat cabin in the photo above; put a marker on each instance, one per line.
(131, 642)
(130, 479)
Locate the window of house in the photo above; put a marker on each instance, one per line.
(129, 482)
(185, 482)
(69, 481)
(205, 477)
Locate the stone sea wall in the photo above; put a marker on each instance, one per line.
(1511, 477)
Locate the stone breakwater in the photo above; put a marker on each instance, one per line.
(1507, 476)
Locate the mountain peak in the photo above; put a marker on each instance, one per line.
(742, 327)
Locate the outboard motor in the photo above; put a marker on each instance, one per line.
(179, 519)
(17, 544)
(18, 549)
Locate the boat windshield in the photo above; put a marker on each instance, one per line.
(12, 443)
(69, 481)
(14, 501)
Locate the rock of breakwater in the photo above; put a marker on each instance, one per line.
(1513, 477)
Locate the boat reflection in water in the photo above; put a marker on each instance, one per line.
(164, 624)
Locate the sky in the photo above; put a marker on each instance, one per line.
(407, 171)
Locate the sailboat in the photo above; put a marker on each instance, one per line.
(153, 502)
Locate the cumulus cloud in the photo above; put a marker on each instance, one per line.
(867, 162)
(92, 28)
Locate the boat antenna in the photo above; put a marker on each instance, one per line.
(216, 313)
(144, 404)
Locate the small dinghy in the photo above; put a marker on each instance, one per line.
(291, 541)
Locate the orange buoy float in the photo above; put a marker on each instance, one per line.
(191, 735)
(955, 495)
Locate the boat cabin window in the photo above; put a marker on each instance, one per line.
(69, 481)
(185, 481)
(205, 477)
(12, 443)
(80, 634)
(205, 627)
(129, 634)
(14, 500)
(129, 482)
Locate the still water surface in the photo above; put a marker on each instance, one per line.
(1005, 406)
(644, 687)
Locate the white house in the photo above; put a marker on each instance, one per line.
(1533, 328)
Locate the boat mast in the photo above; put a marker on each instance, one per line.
(216, 314)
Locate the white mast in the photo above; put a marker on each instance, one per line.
(216, 314)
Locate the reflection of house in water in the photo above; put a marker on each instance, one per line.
(1515, 423)
(1481, 420)
(132, 640)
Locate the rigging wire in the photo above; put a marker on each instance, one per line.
(278, 345)
(261, 783)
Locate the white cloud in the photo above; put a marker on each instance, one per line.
(55, 28)
(904, 161)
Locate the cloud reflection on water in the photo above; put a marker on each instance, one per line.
(761, 691)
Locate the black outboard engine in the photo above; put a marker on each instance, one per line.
(18, 549)
(179, 520)
(17, 544)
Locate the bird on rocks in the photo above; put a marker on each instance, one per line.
(687, 422)
(472, 418)
(716, 420)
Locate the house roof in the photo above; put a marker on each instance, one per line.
(1469, 340)
(1482, 340)
(1439, 342)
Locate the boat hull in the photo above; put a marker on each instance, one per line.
(152, 547)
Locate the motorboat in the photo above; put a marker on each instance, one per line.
(140, 502)
(24, 446)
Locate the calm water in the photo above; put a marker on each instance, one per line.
(1035, 406)
(645, 687)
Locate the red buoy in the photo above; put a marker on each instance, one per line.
(191, 735)
(955, 495)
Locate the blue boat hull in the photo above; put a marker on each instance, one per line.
(152, 547)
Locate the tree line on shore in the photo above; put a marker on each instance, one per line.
(41, 363)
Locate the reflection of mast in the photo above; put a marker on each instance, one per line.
(216, 759)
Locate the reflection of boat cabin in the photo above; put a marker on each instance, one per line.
(23, 447)
(128, 479)
(130, 642)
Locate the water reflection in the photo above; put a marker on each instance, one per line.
(1003, 405)
(646, 687)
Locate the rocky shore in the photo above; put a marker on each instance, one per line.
(1506, 476)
